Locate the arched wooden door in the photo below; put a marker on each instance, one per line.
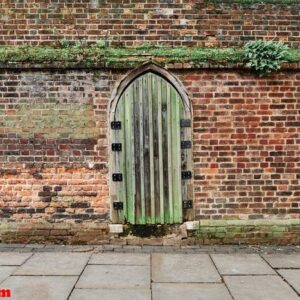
(151, 153)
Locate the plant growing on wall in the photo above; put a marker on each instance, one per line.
(265, 56)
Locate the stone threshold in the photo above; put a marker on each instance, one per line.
(194, 225)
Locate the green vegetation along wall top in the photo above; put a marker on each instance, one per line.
(261, 56)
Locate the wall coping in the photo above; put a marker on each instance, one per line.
(295, 66)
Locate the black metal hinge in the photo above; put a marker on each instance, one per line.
(187, 204)
(186, 144)
(186, 175)
(185, 123)
(117, 177)
(115, 125)
(118, 205)
(116, 147)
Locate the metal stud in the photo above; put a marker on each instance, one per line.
(117, 205)
(186, 175)
(117, 177)
(187, 204)
(116, 125)
(116, 147)
(185, 123)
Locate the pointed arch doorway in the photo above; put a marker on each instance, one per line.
(151, 151)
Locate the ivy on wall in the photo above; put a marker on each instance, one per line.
(261, 56)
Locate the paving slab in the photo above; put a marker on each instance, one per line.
(242, 264)
(114, 277)
(40, 287)
(129, 259)
(292, 277)
(112, 294)
(283, 260)
(6, 271)
(13, 258)
(183, 268)
(261, 287)
(190, 291)
(54, 264)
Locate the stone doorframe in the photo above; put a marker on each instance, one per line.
(116, 94)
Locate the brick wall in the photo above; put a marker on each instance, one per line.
(54, 158)
(276, 232)
(132, 22)
(53, 145)
(246, 144)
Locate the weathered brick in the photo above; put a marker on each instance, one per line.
(55, 155)
(189, 27)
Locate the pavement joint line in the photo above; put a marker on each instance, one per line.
(32, 254)
(190, 282)
(6, 277)
(278, 274)
(151, 281)
(290, 268)
(121, 265)
(9, 265)
(79, 276)
(222, 279)
(40, 275)
(251, 275)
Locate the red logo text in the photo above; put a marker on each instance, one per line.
(5, 293)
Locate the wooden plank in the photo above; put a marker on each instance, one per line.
(151, 150)
(128, 150)
(114, 193)
(122, 157)
(158, 152)
(190, 213)
(142, 170)
(170, 167)
(133, 143)
(114, 213)
(146, 153)
(176, 159)
(164, 156)
(117, 155)
(137, 152)
(183, 137)
(189, 185)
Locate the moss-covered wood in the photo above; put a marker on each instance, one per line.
(146, 139)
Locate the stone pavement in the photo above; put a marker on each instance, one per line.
(39, 272)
